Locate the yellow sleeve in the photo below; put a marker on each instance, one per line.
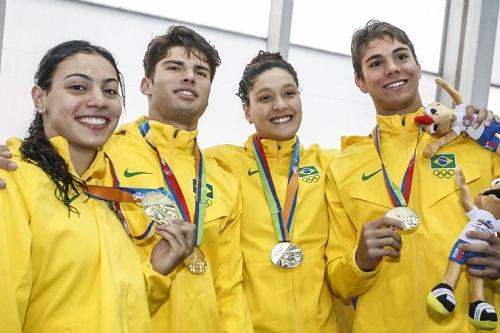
(158, 285)
(344, 276)
(15, 261)
(233, 307)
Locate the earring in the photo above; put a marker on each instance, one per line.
(40, 110)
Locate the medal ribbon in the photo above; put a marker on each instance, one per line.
(278, 216)
(398, 196)
(173, 185)
(116, 194)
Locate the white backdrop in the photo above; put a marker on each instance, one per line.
(332, 104)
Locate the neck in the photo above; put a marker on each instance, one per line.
(81, 158)
(177, 123)
(410, 108)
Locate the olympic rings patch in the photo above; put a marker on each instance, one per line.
(444, 173)
(311, 179)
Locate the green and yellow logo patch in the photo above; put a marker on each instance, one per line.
(443, 165)
(210, 189)
(309, 174)
(210, 192)
(443, 161)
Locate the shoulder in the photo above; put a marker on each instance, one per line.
(320, 155)
(355, 149)
(126, 138)
(27, 175)
(354, 141)
(217, 167)
(223, 151)
(227, 157)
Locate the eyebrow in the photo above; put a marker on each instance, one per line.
(378, 56)
(88, 78)
(285, 86)
(182, 63)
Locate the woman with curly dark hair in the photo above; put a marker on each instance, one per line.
(285, 229)
(66, 263)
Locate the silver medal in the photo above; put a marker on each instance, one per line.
(286, 255)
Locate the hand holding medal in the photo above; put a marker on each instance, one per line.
(175, 246)
(378, 239)
(177, 236)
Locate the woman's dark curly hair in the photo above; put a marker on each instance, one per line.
(36, 147)
(262, 62)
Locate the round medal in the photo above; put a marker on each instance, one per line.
(159, 207)
(407, 216)
(196, 262)
(286, 255)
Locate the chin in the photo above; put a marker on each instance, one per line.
(94, 143)
(282, 137)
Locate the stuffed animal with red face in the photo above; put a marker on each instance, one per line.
(447, 124)
(484, 215)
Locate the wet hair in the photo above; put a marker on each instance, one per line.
(189, 39)
(259, 64)
(36, 148)
(375, 30)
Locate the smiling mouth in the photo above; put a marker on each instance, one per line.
(396, 84)
(281, 120)
(185, 92)
(93, 121)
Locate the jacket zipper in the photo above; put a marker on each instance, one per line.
(172, 145)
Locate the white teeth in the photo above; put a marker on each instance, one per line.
(281, 119)
(185, 92)
(93, 120)
(395, 84)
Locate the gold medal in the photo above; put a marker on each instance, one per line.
(196, 262)
(159, 207)
(407, 216)
(286, 255)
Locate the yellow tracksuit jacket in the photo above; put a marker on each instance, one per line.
(393, 298)
(213, 301)
(62, 272)
(285, 300)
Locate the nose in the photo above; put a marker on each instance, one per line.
(392, 67)
(280, 105)
(188, 76)
(97, 98)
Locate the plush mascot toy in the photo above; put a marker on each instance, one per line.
(484, 214)
(447, 124)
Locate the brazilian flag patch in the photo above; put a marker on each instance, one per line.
(443, 161)
(308, 171)
(309, 174)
